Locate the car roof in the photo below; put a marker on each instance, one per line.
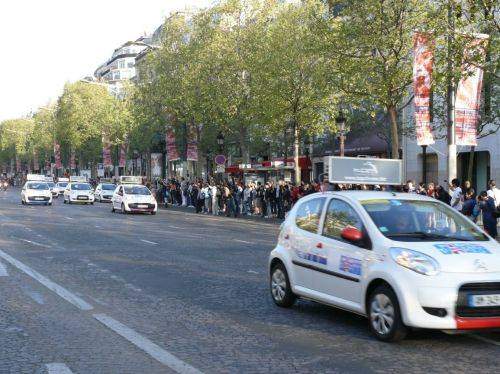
(372, 195)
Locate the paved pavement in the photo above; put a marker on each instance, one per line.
(83, 290)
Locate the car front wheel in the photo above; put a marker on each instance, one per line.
(123, 209)
(385, 315)
(281, 291)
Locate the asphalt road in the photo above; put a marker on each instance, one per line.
(83, 290)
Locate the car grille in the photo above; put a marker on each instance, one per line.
(463, 310)
(38, 198)
(136, 206)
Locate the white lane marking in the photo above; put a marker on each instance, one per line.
(68, 218)
(147, 241)
(175, 227)
(3, 271)
(56, 368)
(158, 353)
(35, 243)
(61, 291)
(28, 229)
(252, 272)
(486, 340)
(242, 241)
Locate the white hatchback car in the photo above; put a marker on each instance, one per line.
(133, 198)
(34, 192)
(79, 192)
(402, 260)
(104, 192)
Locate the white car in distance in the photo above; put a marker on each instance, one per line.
(401, 260)
(34, 192)
(133, 198)
(79, 192)
(104, 192)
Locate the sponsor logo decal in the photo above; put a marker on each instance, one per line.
(458, 249)
(312, 257)
(350, 265)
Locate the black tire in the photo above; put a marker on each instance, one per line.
(279, 285)
(50, 204)
(123, 209)
(379, 325)
(91, 203)
(153, 213)
(112, 208)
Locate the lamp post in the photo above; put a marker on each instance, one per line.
(340, 121)
(220, 141)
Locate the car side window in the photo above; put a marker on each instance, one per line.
(309, 213)
(339, 216)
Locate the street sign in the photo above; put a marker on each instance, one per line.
(220, 160)
(353, 170)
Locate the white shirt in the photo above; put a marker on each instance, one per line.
(495, 194)
(456, 199)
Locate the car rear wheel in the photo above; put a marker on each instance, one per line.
(281, 291)
(153, 213)
(385, 315)
(123, 209)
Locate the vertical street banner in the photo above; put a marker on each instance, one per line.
(106, 154)
(156, 165)
(468, 96)
(57, 155)
(47, 165)
(72, 160)
(123, 155)
(192, 143)
(36, 165)
(172, 153)
(18, 165)
(422, 74)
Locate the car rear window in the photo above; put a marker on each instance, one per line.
(309, 213)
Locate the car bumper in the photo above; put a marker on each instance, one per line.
(443, 304)
(76, 200)
(134, 209)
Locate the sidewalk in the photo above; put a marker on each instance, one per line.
(275, 221)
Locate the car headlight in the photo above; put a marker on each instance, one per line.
(416, 261)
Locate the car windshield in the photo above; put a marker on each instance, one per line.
(108, 187)
(37, 186)
(62, 184)
(414, 220)
(81, 187)
(137, 190)
(51, 184)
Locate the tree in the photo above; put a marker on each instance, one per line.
(371, 50)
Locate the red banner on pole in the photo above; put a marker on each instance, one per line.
(57, 155)
(18, 165)
(36, 165)
(123, 155)
(469, 94)
(192, 146)
(422, 73)
(172, 153)
(72, 160)
(106, 154)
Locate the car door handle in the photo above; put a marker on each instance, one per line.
(319, 245)
(286, 237)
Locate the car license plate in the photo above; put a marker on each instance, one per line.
(38, 198)
(82, 197)
(484, 300)
(142, 206)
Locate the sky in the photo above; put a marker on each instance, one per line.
(46, 43)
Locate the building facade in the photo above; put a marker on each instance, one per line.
(120, 68)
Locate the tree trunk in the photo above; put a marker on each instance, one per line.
(470, 167)
(296, 150)
(394, 132)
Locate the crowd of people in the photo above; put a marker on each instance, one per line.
(274, 199)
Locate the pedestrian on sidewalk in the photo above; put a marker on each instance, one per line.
(490, 221)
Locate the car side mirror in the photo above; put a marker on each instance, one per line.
(351, 234)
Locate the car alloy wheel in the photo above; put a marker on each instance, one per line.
(385, 316)
(281, 291)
